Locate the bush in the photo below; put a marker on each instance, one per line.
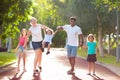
(3, 49)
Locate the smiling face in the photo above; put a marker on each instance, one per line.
(24, 32)
(91, 38)
(49, 32)
(72, 21)
(33, 21)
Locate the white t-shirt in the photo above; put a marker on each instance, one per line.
(48, 38)
(36, 33)
(72, 34)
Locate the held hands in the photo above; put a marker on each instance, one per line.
(84, 47)
(15, 50)
(59, 28)
(44, 27)
(81, 44)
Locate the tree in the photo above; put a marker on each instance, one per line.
(101, 4)
(13, 12)
(92, 18)
(46, 13)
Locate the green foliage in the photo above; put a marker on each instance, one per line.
(111, 4)
(12, 13)
(57, 12)
(16, 13)
(106, 9)
(46, 12)
(7, 58)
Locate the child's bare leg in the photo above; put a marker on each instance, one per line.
(24, 61)
(48, 48)
(93, 65)
(89, 68)
(19, 58)
(43, 44)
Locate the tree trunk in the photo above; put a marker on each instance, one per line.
(9, 44)
(109, 44)
(100, 45)
(0, 43)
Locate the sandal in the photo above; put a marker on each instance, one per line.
(18, 70)
(36, 71)
(48, 52)
(94, 74)
(24, 70)
(88, 74)
(70, 72)
(40, 68)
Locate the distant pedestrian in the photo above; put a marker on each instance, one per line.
(21, 48)
(91, 50)
(36, 32)
(73, 42)
(47, 41)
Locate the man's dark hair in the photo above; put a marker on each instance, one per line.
(73, 18)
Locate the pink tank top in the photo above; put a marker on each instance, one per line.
(22, 40)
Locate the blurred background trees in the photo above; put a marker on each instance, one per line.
(93, 16)
(13, 15)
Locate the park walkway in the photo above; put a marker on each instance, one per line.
(54, 67)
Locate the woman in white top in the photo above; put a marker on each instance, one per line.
(35, 31)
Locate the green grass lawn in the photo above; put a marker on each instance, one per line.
(7, 58)
(107, 59)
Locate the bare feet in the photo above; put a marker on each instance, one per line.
(18, 70)
(25, 70)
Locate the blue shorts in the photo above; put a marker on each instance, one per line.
(46, 44)
(37, 45)
(72, 51)
(21, 49)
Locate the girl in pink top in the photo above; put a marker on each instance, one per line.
(21, 52)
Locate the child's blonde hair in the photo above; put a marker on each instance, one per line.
(91, 35)
(33, 19)
(22, 31)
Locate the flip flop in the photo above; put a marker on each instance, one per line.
(70, 72)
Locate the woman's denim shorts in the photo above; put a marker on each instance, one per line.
(22, 50)
(37, 45)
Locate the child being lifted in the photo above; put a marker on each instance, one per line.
(49, 34)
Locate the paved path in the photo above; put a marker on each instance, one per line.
(55, 65)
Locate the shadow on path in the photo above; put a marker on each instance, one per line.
(74, 77)
(16, 77)
(95, 77)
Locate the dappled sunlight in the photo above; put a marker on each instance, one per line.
(62, 1)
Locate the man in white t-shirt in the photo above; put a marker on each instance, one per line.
(73, 32)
